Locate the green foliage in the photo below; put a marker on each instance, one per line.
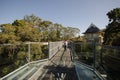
(32, 19)
(87, 47)
(19, 31)
(21, 55)
(8, 34)
(6, 70)
(29, 29)
(33, 29)
(44, 49)
(36, 52)
(112, 32)
(84, 52)
(111, 55)
(14, 56)
(21, 23)
(28, 34)
(114, 15)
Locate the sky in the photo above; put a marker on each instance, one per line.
(73, 13)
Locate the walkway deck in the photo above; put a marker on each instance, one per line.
(60, 67)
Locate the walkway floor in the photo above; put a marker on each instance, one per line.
(60, 67)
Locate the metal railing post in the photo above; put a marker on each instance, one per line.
(94, 54)
(48, 50)
(29, 52)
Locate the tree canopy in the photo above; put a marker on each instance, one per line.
(34, 29)
(29, 29)
(112, 32)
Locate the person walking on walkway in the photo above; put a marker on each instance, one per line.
(65, 45)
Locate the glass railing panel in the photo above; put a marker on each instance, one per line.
(86, 72)
(84, 51)
(105, 59)
(111, 61)
(13, 56)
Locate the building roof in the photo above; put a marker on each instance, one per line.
(92, 29)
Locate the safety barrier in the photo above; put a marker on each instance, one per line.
(54, 47)
(25, 71)
(84, 71)
(30, 69)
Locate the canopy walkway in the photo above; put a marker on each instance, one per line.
(61, 65)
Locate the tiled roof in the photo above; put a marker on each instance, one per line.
(92, 29)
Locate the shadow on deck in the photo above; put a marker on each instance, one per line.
(60, 68)
(60, 72)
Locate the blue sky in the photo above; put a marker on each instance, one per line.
(73, 13)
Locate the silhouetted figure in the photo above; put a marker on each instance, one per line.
(65, 45)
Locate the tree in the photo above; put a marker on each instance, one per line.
(69, 32)
(44, 28)
(33, 19)
(114, 15)
(21, 23)
(8, 34)
(112, 32)
(26, 31)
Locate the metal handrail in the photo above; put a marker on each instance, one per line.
(57, 46)
(76, 63)
(22, 67)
